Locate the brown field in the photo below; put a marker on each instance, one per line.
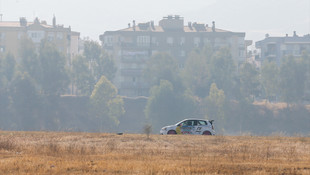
(96, 153)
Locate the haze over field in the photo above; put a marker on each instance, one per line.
(157, 63)
(92, 18)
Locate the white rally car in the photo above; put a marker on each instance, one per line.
(190, 126)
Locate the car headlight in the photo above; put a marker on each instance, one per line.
(165, 128)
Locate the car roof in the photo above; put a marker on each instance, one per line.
(192, 119)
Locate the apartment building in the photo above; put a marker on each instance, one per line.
(276, 48)
(134, 45)
(12, 32)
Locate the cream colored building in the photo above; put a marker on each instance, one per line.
(134, 45)
(11, 34)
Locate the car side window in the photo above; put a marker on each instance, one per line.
(195, 123)
(189, 123)
(183, 123)
(203, 122)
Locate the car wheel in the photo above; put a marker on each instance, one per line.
(171, 132)
(206, 133)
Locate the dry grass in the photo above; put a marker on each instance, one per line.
(86, 153)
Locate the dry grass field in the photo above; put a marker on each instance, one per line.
(96, 153)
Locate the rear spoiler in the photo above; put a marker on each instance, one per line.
(211, 121)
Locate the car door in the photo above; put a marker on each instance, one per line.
(187, 127)
(197, 127)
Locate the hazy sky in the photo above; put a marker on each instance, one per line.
(94, 17)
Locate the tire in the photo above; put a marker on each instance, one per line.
(206, 133)
(171, 132)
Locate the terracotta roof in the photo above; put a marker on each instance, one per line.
(17, 24)
(11, 24)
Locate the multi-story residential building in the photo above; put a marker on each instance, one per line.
(134, 45)
(276, 48)
(11, 34)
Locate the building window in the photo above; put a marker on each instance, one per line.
(241, 53)
(2, 36)
(2, 49)
(181, 65)
(50, 36)
(143, 40)
(182, 53)
(108, 40)
(36, 36)
(169, 40)
(271, 49)
(154, 41)
(241, 42)
(60, 35)
(196, 41)
(20, 35)
(182, 41)
(206, 41)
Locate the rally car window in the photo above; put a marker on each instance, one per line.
(195, 122)
(188, 123)
(201, 122)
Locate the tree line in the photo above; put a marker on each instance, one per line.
(210, 85)
(31, 87)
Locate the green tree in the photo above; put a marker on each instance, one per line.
(292, 79)
(81, 75)
(249, 81)
(214, 105)
(7, 72)
(25, 99)
(166, 106)
(100, 62)
(106, 104)
(30, 61)
(92, 50)
(196, 74)
(4, 97)
(270, 79)
(104, 66)
(55, 77)
(162, 66)
(8, 66)
(222, 70)
(306, 62)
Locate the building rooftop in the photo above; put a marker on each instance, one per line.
(171, 23)
(24, 23)
(285, 39)
(18, 24)
(161, 29)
